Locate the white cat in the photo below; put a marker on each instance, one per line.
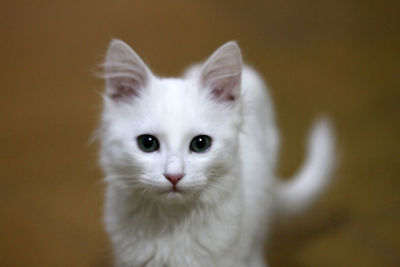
(190, 162)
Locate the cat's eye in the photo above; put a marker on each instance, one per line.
(200, 144)
(148, 143)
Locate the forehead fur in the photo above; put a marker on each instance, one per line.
(174, 109)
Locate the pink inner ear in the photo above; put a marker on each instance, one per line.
(219, 93)
(123, 89)
(225, 88)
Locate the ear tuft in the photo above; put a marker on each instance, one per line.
(221, 73)
(125, 72)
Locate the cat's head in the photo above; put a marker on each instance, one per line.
(171, 139)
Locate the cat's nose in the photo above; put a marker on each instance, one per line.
(173, 178)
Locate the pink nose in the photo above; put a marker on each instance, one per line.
(173, 178)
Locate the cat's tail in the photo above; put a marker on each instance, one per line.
(299, 193)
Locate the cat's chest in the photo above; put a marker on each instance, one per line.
(182, 246)
(199, 240)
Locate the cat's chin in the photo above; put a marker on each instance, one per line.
(173, 194)
(176, 195)
(162, 193)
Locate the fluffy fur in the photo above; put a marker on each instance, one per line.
(220, 214)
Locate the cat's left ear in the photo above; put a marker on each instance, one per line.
(125, 72)
(221, 73)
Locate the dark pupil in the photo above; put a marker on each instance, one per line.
(200, 143)
(148, 141)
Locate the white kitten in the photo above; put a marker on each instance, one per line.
(190, 162)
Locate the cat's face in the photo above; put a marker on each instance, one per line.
(170, 138)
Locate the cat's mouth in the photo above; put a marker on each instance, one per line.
(174, 194)
(174, 190)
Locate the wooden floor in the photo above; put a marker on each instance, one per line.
(338, 58)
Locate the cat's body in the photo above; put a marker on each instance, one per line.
(217, 209)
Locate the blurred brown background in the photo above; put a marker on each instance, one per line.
(338, 57)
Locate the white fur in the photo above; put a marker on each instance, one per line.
(228, 193)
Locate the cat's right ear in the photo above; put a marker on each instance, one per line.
(221, 73)
(125, 72)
